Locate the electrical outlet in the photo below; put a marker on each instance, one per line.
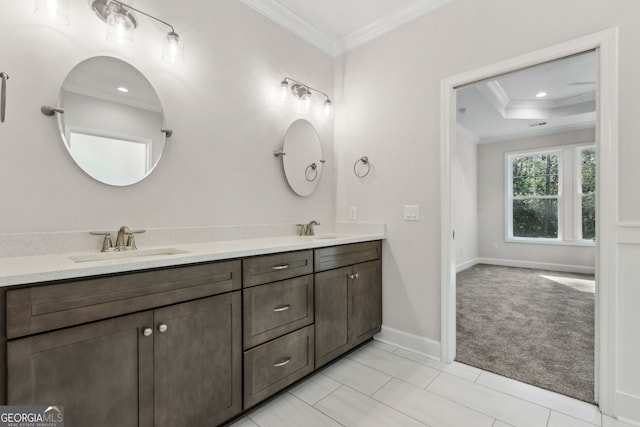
(353, 214)
(412, 213)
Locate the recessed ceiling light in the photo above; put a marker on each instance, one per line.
(123, 89)
(541, 94)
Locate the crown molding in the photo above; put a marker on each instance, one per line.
(388, 23)
(335, 47)
(283, 16)
(538, 132)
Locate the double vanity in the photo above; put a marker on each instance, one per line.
(188, 335)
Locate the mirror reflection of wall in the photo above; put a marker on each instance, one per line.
(303, 159)
(113, 121)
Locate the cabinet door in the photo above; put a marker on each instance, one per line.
(366, 301)
(332, 314)
(102, 373)
(198, 358)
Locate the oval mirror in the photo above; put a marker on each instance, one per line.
(113, 121)
(302, 157)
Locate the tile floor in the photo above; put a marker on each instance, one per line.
(382, 385)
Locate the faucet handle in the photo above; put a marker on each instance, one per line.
(302, 229)
(131, 241)
(107, 244)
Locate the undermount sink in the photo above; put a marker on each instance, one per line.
(327, 236)
(101, 256)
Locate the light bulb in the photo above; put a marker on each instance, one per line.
(54, 10)
(173, 49)
(284, 90)
(120, 28)
(327, 107)
(306, 100)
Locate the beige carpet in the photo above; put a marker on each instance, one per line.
(534, 326)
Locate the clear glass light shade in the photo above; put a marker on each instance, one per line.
(328, 107)
(284, 90)
(54, 10)
(173, 51)
(306, 100)
(120, 28)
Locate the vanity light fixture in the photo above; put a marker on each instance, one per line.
(121, 23)
(304, 93)
(54, 10)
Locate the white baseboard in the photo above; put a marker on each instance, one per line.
(467, 264)
(539, 265)
(406, 340)
(627, 408)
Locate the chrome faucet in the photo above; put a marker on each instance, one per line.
(121, 244)
(307, 229)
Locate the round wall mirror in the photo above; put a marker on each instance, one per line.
(302, 157)
(113, 121)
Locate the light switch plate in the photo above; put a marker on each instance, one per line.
(412, 213)
(353, 213)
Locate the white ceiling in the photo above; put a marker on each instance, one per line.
(337, 26)
(506, 107)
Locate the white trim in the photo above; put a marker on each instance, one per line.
(606, 135)
(333, 46)
(635, 224)
(509, 197)
(388, 23)
(537, 265)
(284, 17)
(467, 264)
(540, 131)
(406, 340)
(628, 408)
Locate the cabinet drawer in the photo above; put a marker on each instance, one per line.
(276, 309)
(340, 256)
(272, 366)
(47, 307)
(271, 268)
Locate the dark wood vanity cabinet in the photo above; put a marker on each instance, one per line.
(278, 322)
(102, 373)
(187, 346)
(176, 365)
(348, 299)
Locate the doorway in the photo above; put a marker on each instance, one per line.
(606, 44)
(525, 171)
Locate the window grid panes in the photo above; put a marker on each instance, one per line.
(534, 197)
(587, 193)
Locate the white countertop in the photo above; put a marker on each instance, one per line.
(42, 268)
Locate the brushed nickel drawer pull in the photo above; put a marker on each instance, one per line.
(280, 267)
(282, 308)
(284, 362)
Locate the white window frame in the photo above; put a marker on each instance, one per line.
(569, 195)
(509, 198)
(578, 192)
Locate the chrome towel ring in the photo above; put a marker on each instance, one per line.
(362, 167)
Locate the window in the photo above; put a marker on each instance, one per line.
(534, 195)
(587, 193)
(550, 196)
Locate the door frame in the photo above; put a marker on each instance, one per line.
(606, 43)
